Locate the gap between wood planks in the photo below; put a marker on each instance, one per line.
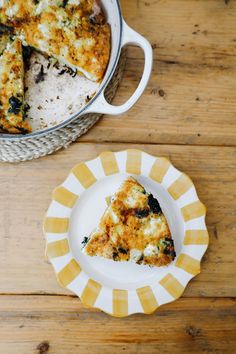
(104, 142)
(73, 296)
(185, 64)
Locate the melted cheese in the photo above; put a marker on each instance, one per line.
(12, 10)
(130, 201)
(152, 226)
(150, 251)
(45, 29)
(135, 255)
(74, 2)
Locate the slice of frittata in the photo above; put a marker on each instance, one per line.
(133, 228)
(12, 89)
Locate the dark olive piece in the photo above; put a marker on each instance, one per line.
(169, 247)
(141, 213)
(64, 3)
(5, 29)
(122, 250)
(85, 241)
(115, 256)
(154, 205)
(15, 105)
(27, 51)
(26, 109)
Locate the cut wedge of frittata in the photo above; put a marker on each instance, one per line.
(133, 228)
(12, 106)
(77, 38)
(73, 32)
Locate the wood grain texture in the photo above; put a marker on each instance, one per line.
(190, 101)
(25, 192)
(189, 31)
(62, 325)
(191, 97)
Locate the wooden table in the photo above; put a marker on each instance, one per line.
(187, 114)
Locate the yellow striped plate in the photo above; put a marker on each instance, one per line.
(121, 289)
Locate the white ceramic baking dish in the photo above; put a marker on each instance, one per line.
(122, 35)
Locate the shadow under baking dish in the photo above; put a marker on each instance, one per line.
(85, 218)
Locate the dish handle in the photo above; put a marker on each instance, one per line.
(101, 105)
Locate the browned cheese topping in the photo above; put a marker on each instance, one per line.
(133, 228)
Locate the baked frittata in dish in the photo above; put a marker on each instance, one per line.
(133, 228)
(12, 105)
(73, 32)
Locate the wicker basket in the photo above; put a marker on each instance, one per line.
(32, 148)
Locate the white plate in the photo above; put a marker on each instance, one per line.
(121, 288)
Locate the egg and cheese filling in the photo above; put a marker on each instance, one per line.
(133, 228)
(12, 88)
(13, 12)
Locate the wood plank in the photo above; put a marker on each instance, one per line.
(61, 325)
(25, 191)
(198, 107)
(191, 97)
(186, 31)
